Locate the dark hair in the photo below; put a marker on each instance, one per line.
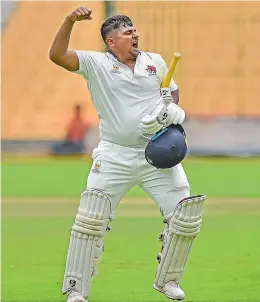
(114, 22)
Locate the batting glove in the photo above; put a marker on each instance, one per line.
(149, 124)
(175, 115)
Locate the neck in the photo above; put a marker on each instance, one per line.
(122, 59)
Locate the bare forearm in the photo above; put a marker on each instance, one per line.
(61, 41)
(59, 53)
(175, 96)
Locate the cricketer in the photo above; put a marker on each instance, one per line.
(125, 87)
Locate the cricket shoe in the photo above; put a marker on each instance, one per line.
(171, 290)
(74, 296)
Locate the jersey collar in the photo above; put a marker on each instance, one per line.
(111, 55)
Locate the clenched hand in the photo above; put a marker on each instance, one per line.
(80, 14)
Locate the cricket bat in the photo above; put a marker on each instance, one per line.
(161, 111)
(167, 79)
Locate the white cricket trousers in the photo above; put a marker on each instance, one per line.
(116, 169)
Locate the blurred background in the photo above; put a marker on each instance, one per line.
(218, 74)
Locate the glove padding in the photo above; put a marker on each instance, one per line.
(166, 113)
(176, 115)
(149, 124)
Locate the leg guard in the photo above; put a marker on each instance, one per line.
(180, 230)
(86, 242)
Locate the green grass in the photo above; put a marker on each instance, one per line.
(223, 266)
(66, 177)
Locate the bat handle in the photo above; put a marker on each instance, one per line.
(166, 81)
(177, 55)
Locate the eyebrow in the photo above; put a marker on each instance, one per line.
(130, 30)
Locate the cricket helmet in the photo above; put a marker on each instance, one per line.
(167, 148)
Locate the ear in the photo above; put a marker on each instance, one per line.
(110, 42)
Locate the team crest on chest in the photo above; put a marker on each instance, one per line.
(115, 68)
(151, 70)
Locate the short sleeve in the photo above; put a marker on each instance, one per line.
(88, 62)
(173, 86)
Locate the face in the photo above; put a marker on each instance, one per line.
(77, 111)
(124, 41)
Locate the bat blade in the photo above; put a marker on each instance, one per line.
(167, 79)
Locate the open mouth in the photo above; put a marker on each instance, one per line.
(135, 44)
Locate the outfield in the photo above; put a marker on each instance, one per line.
(40, 198)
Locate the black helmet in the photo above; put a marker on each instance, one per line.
(167, 148)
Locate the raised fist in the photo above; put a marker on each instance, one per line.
(80, 14)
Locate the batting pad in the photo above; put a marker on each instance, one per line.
(86, 241)
(180, 231)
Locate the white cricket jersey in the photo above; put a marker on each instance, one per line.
(122, 97)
